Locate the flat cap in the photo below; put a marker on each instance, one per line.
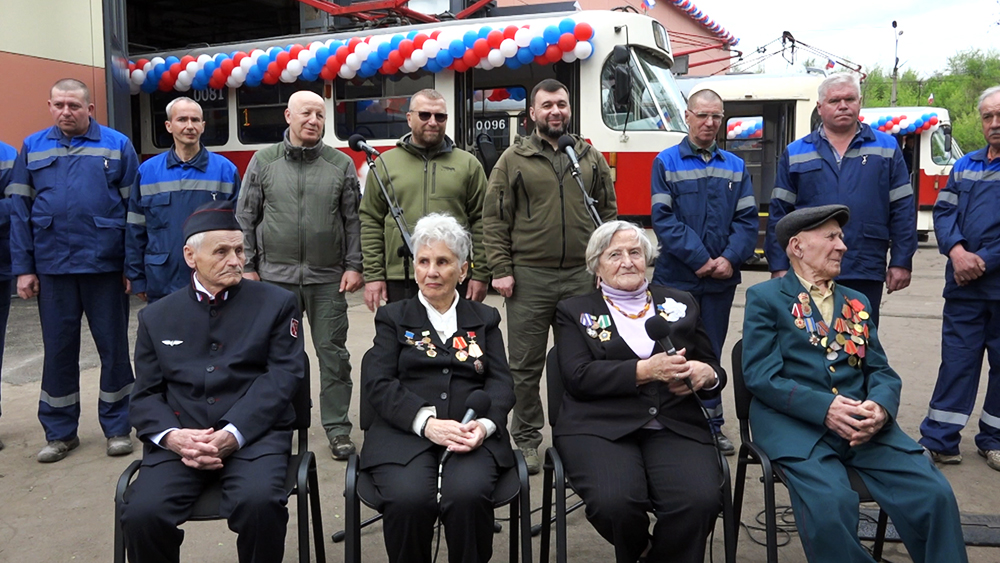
(216, 215)
(807, 219)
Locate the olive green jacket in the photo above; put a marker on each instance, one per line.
(534, 213)
(443, 179)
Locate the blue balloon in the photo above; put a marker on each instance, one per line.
(171, 60)
(308, 75)
(312, 66)
(252, 82)
(273, 52)
(262, 63)
(233, 54)
(925, 117)
(219, 58)
(517, 93)
(374, 60)
(537, 45)
(882, 121)
(918, 124)
(470, 38)
(412, 34)
(512, 63)
(396, 40)
(322, 54)
(551, 35)
(525, 56)
(209, 67)
(335, 45)
(567, 26)
(383, 50)
(254, 72)
(484, 31)
(365, 68)
(444, 58)
(432, 66)
(148, 88)
(456, 49)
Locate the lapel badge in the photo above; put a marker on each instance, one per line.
(478, 364)
(672, 310)
(605, 335)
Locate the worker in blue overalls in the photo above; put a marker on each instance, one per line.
(705, 218)
(847, 162)
(168, 188)
(7, 156)
(69, 191)
(967, 228)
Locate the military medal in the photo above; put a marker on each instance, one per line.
(478, 364)
(803, 298)
(474, 350)
(588, 320)
(799, 323)
(605, 335)
(831, 355)
(431, 351)
(458, 343)
(409, 337)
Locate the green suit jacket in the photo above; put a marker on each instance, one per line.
(793, 381)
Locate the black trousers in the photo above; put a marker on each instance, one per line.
(648, 470)
(253, 502)
(410, 506)
(398, 290)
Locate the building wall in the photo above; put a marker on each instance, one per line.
(42, 41)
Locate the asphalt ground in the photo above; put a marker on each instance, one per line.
(64, 511)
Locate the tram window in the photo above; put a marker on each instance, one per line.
(939, 155)
(376, 107)
(214, 107)
(261, 110)
(745, 134)
(495, 111)
(658, 107)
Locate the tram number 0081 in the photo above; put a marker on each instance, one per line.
(210, 95)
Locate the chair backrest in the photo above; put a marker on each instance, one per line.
(367, 411)
(554, 386)
(488, 155)
(302, 403)
(740, 391)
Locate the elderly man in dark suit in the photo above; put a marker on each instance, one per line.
(825, 399)
(218, 363)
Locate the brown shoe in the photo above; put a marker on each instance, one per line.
(57, 450)
(341, 447)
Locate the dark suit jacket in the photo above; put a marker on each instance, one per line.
(793, 382)
(602, 398)
(237, 360)
(398, 380)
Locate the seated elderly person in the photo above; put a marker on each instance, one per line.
(217, 364)
(631, 432)
(430, 353)
(825, 399)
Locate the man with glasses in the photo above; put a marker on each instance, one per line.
(705, 218)
(426, 173)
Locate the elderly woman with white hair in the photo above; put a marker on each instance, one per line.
(631, 432)
(430, 354)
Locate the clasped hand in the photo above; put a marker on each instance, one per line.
(853, 420)
(676, 370)
(201, 448)
(457, 437)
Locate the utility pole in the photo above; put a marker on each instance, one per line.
(895, 68)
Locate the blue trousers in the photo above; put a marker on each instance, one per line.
(5, 286)
(906, 485)
(62, 300)
(715, 309)
(872, 290)
(969, 328)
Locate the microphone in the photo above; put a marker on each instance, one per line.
(358, 143)
(478, 403)
(566, 144)
(658, 330)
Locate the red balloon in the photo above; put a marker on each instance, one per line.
(333, 64)
(388, 68)
(131, 67)
(326, 74)
(141, 63)
(282, 59)
(227, 66)
(509, 31)
(583, 31)
(406, 48)
(353, 43)
(567, 42)
(861, 118)
(494, 38)
(218, 75)
(395, 58)
(419, 40)
(553, 53)
(933, 120)
(459, 65)
(236, 59)
(295, 50)
(269, 78)
(165, 85)
(481, 48)
(273, 68)
(434, 34)
(470, 58)
(175, 70)
(342, 53)
(896, 119)
(542, 59)
(187, 59)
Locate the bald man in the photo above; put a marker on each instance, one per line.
(298, 208)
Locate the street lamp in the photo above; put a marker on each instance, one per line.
(895, 68)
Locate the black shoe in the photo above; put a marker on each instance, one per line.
(724, 445)
(342, 447)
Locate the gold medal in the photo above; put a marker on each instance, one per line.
(823, 342)
(605, 335)
(863, 315)
(462, 355)
(807, 310)
(799, 323)
(852, 361)
(841, 339)
(431, 353)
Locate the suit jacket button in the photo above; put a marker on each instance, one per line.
(444, 396)
(652, 411)
(211, 400)
(214, 347)
(446, 371)
(210, 369)
(214, 313)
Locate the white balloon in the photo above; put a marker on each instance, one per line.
(522, 37)
(256, 54)
(294, 67)
(485, 64)
(286, 76)
(495, 57)
(347, 72)
(239, 74)
(304, 56)
(232, 82)
(731, 134)
(181, 87)
(431, 48)
(157, 61)
(508, 47)
(419, 57)
(138, 75)
(568, 57)
(583, 50)
(409, 65)
(185, 77)
(363, 50)
(895, 129)
(202, 59)
(246, 63)
(353, 61)
(146, 67)
(315, 45)
(192, 67)
(904, 123)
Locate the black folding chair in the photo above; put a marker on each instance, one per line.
(300, 480)
(750, 453)
(511, 489)
(554, 476)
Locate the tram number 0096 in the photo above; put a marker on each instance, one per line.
(484, 125)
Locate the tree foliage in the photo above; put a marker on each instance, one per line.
(956, 89)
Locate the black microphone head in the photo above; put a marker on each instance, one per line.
(566, 141)
(657, 328)
(355, 141)
(479, 402)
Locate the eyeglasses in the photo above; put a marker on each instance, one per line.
(707, 116)
(426, 116)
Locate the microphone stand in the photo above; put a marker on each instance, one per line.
(405, 250)
(587, 200)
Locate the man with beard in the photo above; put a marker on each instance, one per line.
(452, 182)
(536, 227)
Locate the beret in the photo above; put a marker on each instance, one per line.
(215, 215)
(807, 219)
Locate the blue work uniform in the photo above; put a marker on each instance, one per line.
(165, 193)
(966, 213)
(7, 156)
(872, 180)
(68, 199)
(702, 210)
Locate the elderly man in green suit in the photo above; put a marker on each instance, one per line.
(825, 399)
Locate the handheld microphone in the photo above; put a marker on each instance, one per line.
(658, 330)
(358, 143)
(566, 144)
(478, 403)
